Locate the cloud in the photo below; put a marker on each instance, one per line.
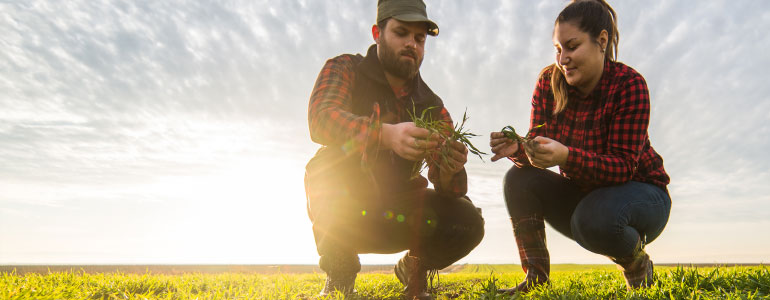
(104, 97)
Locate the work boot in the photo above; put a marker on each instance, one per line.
(339, 284)
(637, 268)
(341, 269)
(535, 260)
(414, 276)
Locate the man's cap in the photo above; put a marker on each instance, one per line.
(405, 11)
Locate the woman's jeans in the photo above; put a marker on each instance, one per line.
(608, 220)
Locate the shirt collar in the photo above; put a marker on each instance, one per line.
(402, 91)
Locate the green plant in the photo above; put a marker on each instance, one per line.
(510, 133)
(462, 282)
(446, 132)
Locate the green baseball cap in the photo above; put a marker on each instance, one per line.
(405, 11)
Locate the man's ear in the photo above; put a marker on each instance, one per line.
(376, 33)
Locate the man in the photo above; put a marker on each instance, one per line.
(362, 195)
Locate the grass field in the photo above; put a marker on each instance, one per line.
(466, 282)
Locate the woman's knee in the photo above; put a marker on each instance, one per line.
(515, 179)
(601, 223)
(613, 219)
(588, 228)
(517, 184)
(599, 229)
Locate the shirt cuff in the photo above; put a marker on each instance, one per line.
(458, 184)
(519, 157)
(576, 159)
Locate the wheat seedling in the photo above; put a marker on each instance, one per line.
(446, 133)
(510, 133)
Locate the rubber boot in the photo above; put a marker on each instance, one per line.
(637, 268)
(535, 260)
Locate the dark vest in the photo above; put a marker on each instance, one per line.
(386, 171)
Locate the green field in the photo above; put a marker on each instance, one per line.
(465, 282)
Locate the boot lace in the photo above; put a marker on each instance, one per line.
(433, 273)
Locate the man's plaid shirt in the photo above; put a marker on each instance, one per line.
(606, 132)
(333, 124)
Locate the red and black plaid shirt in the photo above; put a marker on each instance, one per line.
(606, 131)
(332, 122)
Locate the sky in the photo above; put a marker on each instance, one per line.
(175, 132)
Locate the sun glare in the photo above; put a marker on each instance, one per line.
(252, 212)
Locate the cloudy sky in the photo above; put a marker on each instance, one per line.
(176, 131)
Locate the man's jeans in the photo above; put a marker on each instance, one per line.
(438, 229)
(608, 220)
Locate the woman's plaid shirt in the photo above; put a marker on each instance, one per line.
(606, 131)
(332, 122)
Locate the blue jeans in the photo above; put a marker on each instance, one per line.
(608, 220)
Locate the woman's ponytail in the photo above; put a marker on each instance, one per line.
(591, 16)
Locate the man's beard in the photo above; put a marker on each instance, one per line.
(392, 63)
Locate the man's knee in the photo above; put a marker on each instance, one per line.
(464, 217)
(471, 226)
(460, 230)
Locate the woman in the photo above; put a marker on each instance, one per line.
(611, 195)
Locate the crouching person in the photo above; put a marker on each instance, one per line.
(363, 196)
(589, 117)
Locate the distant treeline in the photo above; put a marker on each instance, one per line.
(281, 269)
(177, 269)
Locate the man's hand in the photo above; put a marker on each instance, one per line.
(457, 156)
(408, 140)
(501, 145)
(545, 153)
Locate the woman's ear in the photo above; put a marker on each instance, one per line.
(603, 39)
(376, 33)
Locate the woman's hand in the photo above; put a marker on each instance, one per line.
(501, 145)
(545, 153)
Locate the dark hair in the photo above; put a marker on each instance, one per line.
(381, 24)
(590, 16)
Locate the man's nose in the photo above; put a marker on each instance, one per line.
(411, 43)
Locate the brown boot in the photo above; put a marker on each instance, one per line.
(535, 260)
(339, 284)
(341, 269)
(637, 268)
(414, 276)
